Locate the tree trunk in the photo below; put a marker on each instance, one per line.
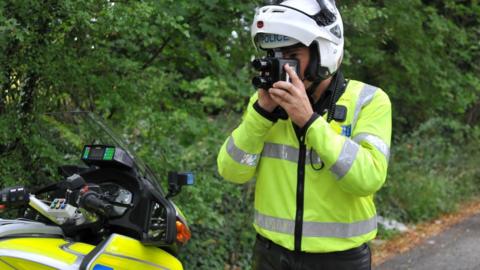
(473, 114)
(26, 101)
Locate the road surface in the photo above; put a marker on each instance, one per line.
(455, 248)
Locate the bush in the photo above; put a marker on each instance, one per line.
(431, 171)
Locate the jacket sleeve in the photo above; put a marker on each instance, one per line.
(359, 163)
(238, 158)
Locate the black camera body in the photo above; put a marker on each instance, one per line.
(272, 71)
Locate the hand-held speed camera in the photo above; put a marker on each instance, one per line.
(272, 70)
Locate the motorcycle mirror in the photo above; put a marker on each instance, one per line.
(75, 182)
(176, 180)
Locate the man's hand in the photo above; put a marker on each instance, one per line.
(292, 97)
(265, 101)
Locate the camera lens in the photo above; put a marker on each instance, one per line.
(260, 64)
(261, 82)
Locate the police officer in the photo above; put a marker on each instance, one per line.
(317, 146)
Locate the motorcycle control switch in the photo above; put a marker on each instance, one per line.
(14, 196)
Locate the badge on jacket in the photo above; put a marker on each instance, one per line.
(347, 130)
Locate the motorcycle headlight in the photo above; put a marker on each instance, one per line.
(157, 225)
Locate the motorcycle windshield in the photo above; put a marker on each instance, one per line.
(63, 136)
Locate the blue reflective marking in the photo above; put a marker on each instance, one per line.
(101, 267)
(190, 179)
(347, 130)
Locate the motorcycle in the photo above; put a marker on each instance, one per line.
(107, 212)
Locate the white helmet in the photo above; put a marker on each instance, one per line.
(314, 23)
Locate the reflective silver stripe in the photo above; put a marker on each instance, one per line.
(366, 95)
(241, 156)
(345, 159)
(287, 152)
(317, 229)
(339, 230)
(80, 256)
(14, 227)
(280, 151)
(40, 259)
(375, 141)
(101, 251)
(66, 248)
(275, 224)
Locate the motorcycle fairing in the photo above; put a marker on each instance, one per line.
(118, 252)
(41, 252)
(122, 253)
(16, 227)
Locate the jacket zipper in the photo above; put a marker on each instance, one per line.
(300, 194)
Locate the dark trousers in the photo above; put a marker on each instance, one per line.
(270, 256)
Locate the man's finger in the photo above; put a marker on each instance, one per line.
(293, 75)
(286, 86)
(279, 101)
(280, 96)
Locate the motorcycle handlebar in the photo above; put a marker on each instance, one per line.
(91, 200)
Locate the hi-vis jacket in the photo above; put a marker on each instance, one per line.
(298, 205)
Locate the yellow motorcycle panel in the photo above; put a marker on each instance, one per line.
(124, 253)
(21, 264)
(117, 253)
(37, 252)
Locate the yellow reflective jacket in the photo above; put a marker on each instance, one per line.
(314, 194)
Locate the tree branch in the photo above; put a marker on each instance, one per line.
(157, 53)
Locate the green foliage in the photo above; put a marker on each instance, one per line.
(173, 77)
(420, 52)
(386, 234)
(432, 170)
